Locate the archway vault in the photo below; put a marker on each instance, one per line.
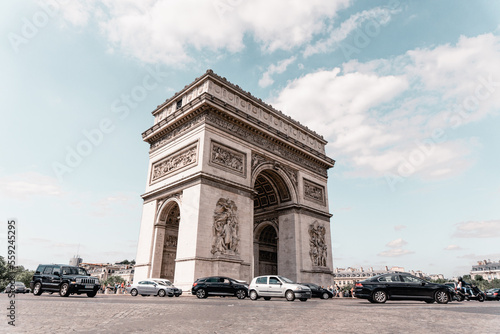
(272, 187)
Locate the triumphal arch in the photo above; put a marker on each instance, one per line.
(235, 188)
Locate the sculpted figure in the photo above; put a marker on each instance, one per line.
(318, 251)
(225, 228)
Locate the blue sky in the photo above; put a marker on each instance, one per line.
(407, 93)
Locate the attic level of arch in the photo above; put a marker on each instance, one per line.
(207, 113)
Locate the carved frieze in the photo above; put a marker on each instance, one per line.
(179, 160)
(257, 160)
(264, 143)
(170, 241)
(227, 158)
(273, 221)
(225, 229)
(314, 192)
(317, 243)
(177, 132)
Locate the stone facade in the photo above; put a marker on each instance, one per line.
(234, 188)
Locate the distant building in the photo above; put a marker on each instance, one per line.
(487, 269)
(103, 271)
(349, 276)
(75, 261)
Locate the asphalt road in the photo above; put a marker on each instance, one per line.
(187, 314)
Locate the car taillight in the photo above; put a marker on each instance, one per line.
(359, 285)
(495, 294)
(194, 284)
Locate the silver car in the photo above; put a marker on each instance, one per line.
(277, 286)
(147, 288)
(171, 289)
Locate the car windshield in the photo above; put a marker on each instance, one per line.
(74, 271)
(286, 280)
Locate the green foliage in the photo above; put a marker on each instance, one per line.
(17, 273)
(25, 276)
(439, 280)
(112, 280)
(478, 278)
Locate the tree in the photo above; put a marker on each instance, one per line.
(478, 278)
(112, 280)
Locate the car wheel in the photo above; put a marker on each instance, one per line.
(161, 293)
(429, 301)
(133, 292)
(64, 290)
(303, 299)
(37, 289)
(201, 293)
(441, 297)
(289, 295)
(241, 294)
(91, 294)
(267, 298)
(254, 295)
(379, 296)
(325, 295)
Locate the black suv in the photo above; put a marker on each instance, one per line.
(63, 279)
(219, 286)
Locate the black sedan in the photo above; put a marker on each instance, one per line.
(492, 294)
(219, 286)
(401, 286)
(317, 291)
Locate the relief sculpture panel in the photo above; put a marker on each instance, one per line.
(317, 243)
(227, 158)
(225, 229)
(314, 192)
(179, 160)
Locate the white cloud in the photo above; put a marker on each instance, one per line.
(478, 229)
(280, 67)
(395, 252)
(453, 247)
(28, 184)
(399, 227)
(398, 243)
(168, 31)
(396, 116)
(377, 17)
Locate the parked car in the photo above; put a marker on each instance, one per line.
(18, 287)
(219, 286)
(171, 289)
(148, 288)
(317, 291)
(493, 294)
(277, 286)
(401, 286)
(63, 279)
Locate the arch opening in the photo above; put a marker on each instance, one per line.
(170, 217)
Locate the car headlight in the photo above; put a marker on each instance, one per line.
(299, 288)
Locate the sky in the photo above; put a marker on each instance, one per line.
(407, 94)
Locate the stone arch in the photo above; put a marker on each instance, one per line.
(282, 183)
(266, 243)
(166, 236)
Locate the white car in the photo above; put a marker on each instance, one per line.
(277, 286)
